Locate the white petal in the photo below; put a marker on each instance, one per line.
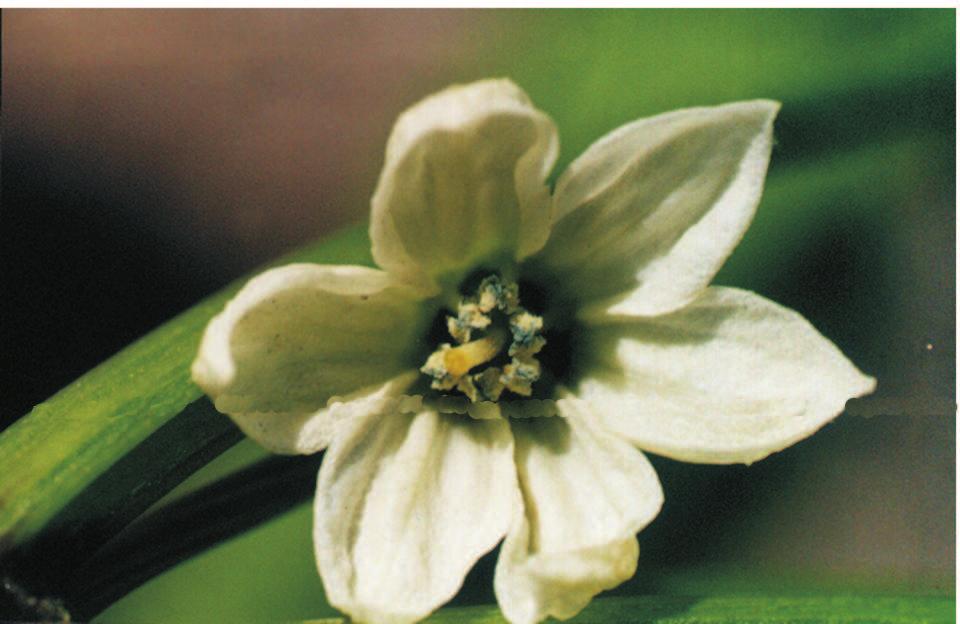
(295, 337)
(309, 432)
(463, 183)
(646, 216)
(731, 378)
(586, 494)
(405, 506)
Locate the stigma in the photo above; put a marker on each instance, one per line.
(496, 344)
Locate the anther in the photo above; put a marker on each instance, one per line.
(494, 311)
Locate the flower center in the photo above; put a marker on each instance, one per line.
(486, 323)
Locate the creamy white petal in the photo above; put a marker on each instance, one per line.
(297, 336)
(646, 216)
(586, 494)
(731, 378)
(463, 183)
(309, 432)
(405, 505)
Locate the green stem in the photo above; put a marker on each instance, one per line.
(84, 464)
(129, 487)
(189, 526)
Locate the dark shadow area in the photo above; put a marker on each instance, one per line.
(111, 502)
(120, 494)
(84, 273)
(810, 129)
(90, 580)
(173, 534)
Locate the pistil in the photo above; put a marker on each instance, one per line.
(459, 360)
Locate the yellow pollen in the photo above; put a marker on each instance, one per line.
(459, 360)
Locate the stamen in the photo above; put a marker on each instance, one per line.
(435, 366)
(494, 309)
(490, 383)
(525, 328)
(466, 386)
(519, 375)
(470, 316)
(494, 293)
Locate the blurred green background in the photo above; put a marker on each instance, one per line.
(152, 156)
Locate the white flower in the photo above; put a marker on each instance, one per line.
(602, 291)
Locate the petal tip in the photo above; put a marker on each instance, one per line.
(868, 385)
(772, 106)
(765, 107)
(761, 112)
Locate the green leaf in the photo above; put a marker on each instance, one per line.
(173, 533)
(593, 70)
(730, 609)
(61, 472)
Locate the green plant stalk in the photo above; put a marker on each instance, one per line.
(172, 533)
(51, 457)
(733, 609)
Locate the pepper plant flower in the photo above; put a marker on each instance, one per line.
(496, 377)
